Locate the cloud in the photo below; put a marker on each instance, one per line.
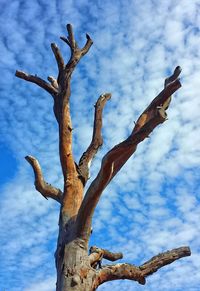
(44, 285)
(153, 204)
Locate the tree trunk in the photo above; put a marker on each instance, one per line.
(74, 272)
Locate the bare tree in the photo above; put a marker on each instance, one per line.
(77, 267)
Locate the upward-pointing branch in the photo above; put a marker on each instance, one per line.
(59, 60)
(87, 46)
(71, 38)
(97, 140)
(72, 196)
(118, 155)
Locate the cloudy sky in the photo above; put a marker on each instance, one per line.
(152, 205)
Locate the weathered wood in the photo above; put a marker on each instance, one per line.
(47, 190)
(97, 140)
(38, 81)
(78, 269)
(98, 254)
(113, 161)
(139, 274)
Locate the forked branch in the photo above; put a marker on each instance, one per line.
(71, 42)
(118, 155)
(47, 190)
(97, 140)
(76, 52)
(139, 274)
(60, 90)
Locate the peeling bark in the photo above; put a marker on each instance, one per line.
(78, 270)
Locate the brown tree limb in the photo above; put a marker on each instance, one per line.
(87, 46)
(118, 155)
(47, 190)
(58, 57)
(38, 81)
(163, 259)
(97, 140)
(97, 254)
(72, 196)
(65, 39)
(71, 38)
(76, 52)
(62, 107)
(131, 272)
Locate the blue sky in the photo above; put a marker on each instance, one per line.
(153, 204)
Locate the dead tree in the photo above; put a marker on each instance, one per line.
(78, 269)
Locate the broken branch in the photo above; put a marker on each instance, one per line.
(97, 254)
(41, 186)
(53, 82)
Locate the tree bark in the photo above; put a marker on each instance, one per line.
(78, 269)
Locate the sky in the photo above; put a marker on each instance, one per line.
(152, 205)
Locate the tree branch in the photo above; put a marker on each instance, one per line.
(71, 38)
(118, 155)
(66, 40)
(163, 259)
(35, 79)
(97, 254)
(131, 272)
(44, 188)
(58, 57)
(97, 140)
(87, 46)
